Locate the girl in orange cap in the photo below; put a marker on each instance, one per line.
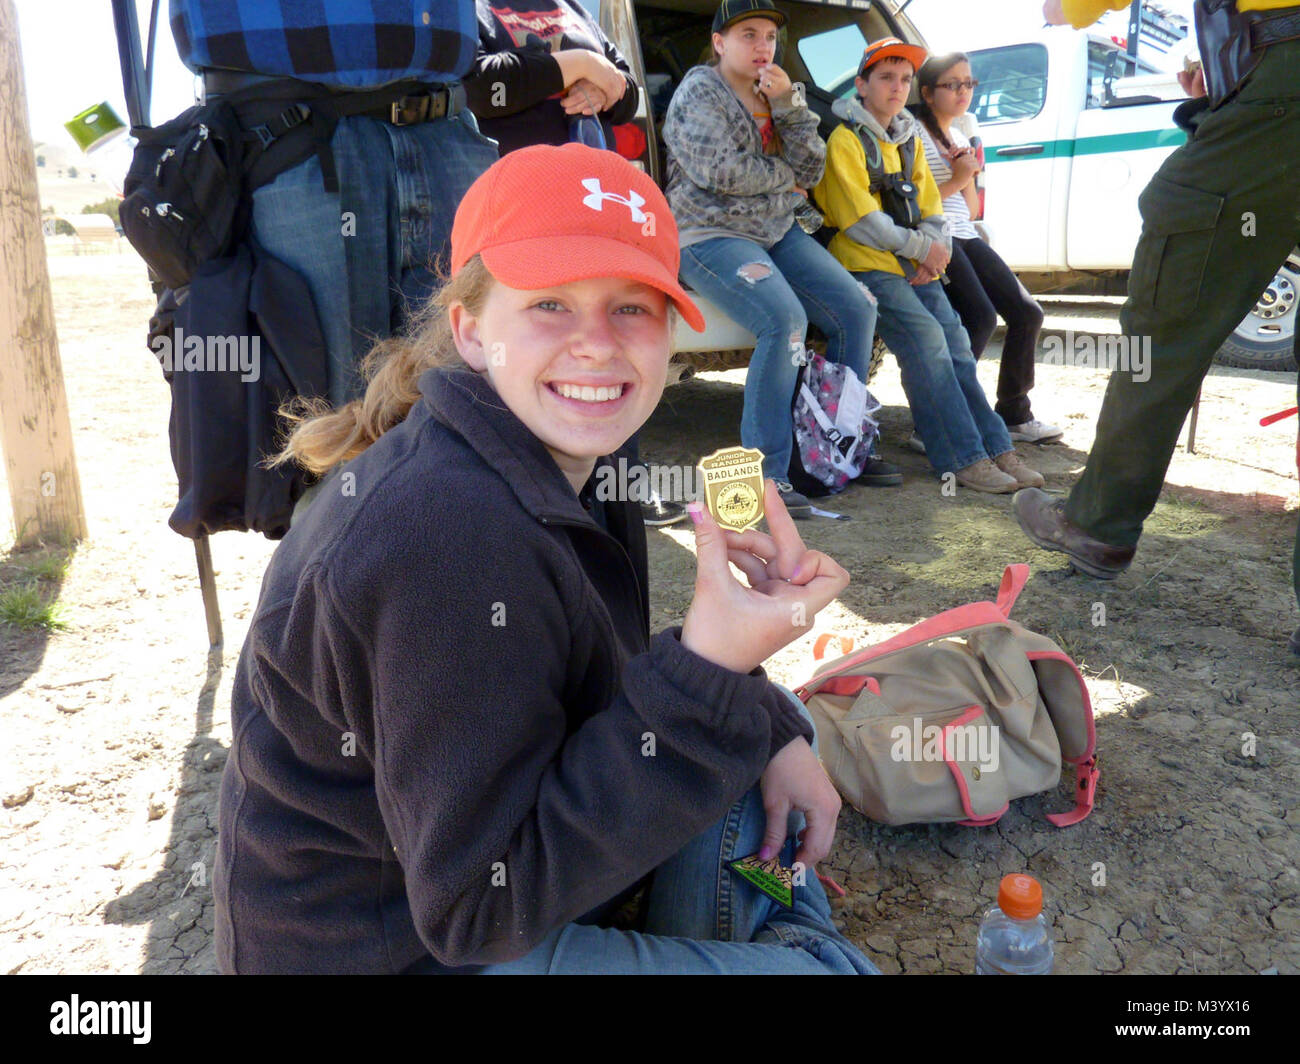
(455, 744)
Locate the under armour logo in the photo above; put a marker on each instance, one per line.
(632, 200)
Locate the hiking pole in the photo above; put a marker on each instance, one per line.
(208, 587)
(135, 84)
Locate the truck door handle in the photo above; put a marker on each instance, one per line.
(1022, 149)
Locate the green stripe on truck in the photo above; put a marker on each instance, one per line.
(1057, 149)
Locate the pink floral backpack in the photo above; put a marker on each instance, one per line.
(833, 427)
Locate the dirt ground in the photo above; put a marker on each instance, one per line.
(117, 727)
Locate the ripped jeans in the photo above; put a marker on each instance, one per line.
(776, 293)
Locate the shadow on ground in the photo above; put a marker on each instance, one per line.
(30, 582)
(181, 920)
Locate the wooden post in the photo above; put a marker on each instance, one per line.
(34, 426)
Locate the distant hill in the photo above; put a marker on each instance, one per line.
(68, 180)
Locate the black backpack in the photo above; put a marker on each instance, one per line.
(185, 195)
(187, 208)
(188, 192)
(186, 211)
(895, 190)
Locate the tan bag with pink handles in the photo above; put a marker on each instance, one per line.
(955, 718)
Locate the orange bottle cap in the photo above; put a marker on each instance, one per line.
(1020, 896)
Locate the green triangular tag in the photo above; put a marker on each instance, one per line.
(769, 876)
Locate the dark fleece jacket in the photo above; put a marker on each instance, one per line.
(442, 705)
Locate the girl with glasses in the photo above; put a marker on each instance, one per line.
(981, 285)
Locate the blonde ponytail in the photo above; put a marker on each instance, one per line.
(322, 437)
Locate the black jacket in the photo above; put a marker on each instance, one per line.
(235, 343)
(442, 711)
(514, 86)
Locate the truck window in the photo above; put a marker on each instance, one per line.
(832, 58)
(1106, 60)
(593, 8)
(1013, 82)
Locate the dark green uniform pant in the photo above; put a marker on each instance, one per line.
(1219, 219)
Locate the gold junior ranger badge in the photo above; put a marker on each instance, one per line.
(733, 486)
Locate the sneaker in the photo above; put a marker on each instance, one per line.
(1013, 466)
(656, 512)
(797, 504)
(879, 473)
(1043, 520)
(916, 443)
(1035, 432)
(985, 476)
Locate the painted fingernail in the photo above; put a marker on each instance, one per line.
(696, 510)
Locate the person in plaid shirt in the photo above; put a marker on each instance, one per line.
(368, 251)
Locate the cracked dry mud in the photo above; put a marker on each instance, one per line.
(117, 728)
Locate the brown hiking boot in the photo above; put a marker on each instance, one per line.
(1013, 466)
(1042, 519)
(985, 476)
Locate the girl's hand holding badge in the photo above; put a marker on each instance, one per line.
(739, 627)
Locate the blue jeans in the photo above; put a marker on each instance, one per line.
(702, 919)
(951, 412)
(370, 251)
(803, 283)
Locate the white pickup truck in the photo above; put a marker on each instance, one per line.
(1073, 129)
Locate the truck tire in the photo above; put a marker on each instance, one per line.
(878, 353)
(1265, 339)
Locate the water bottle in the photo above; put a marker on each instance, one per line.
(1014, 938)
(103, 137)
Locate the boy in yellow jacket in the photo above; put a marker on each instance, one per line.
(894, 239)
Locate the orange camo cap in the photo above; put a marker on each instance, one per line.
(890, 46)
(546, 215)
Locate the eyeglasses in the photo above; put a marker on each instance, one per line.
(970, 85)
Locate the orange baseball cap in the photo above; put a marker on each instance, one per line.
(887, 46)
(546, 215)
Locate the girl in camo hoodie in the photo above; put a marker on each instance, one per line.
(742, 150)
